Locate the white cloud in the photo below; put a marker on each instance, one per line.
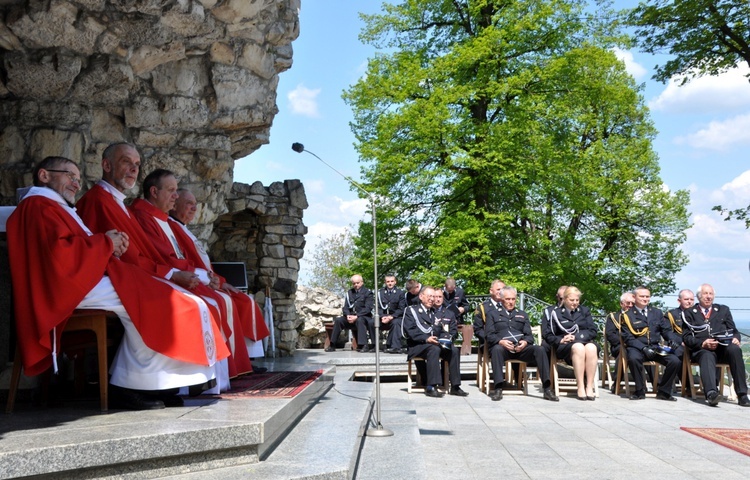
(304, 101)
(633, 68)
(717, 249)
(720, 135)
(354, 208)
(708, 94)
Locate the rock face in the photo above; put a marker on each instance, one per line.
(191, 82)
(315, 307)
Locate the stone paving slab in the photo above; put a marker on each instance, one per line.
(529, 438)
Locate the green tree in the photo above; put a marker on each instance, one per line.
(331, 262)
(703, 36)
(509, 143)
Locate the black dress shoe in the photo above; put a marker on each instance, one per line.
(392, 350)
(432, 392)
(330, 349)
(590, 399)
(172, 401)
(583, 399)
(127, 399)
(638, 396)
(367, 349)
(496, 395)
(665, 396)
(404, 350)
(713, 398)
(260, 369)
(550, 395)
(458, 392)
(743, 401)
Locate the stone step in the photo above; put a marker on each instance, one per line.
(324, 444)
(205, 434)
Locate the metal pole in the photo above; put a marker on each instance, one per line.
(378, 430)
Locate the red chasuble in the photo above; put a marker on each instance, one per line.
(55, 263)
(146, 215)
(251, 316)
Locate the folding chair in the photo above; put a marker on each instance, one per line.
(724, 378)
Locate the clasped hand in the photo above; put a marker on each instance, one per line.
(120, 242)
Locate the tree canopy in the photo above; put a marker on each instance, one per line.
(704, 36)
(506, 140)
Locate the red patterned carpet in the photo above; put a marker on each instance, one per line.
(735, 438)
(270, 385)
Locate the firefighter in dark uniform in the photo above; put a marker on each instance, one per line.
(642, 329)
(508, 334)
(423, 334)
(358, 304)
(708, 330)
(686, 300)
(390, 304)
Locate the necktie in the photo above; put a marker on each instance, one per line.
(497, 305)
(705, 312)
(645, 312)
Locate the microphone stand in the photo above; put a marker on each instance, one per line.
(378, 430)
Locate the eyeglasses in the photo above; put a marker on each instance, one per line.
(71, 175)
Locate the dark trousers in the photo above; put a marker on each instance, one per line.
(360, 326)
(532, 354)
(671, 363)
(432, 355)
(731, 355)
(394, 339)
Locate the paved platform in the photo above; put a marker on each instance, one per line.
(451, 437)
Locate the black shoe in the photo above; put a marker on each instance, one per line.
(330, 349)
(432, 392)
(172, 401)
(259, 370)
(713, 398)
(743, 401)
(665, 396)
(392, 350)
(590, 399)
(404, 350)
(497, 394)
(460, 393)
(127, 399)
(550, 395)
(367, 349)
(638, 396)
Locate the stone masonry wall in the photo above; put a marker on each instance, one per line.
(266, 232)
(191, 82)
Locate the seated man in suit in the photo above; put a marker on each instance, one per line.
(170, 338)
(627, 300)
(508, 333)
(642, 327)
(708, 330)
(495, 302)
(391, 306)
(612, 327)
(685, 301)
(358, 304)
(423, 333)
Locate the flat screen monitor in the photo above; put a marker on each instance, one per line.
(234, 272)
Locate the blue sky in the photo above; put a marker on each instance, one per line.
(704, 132)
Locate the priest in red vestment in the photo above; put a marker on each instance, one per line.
(160, 193)
(181, 215)
(103, 208)
(58, 265)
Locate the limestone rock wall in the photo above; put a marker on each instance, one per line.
(191, 82)
(315, 307)
(264, 229)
